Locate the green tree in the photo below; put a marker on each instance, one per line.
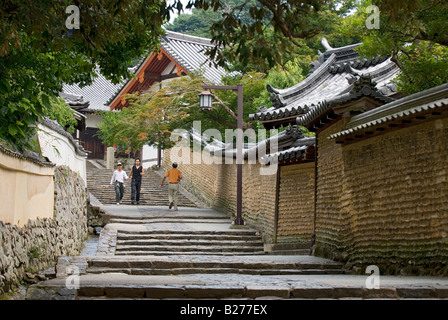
(149, 119)
(38, 53)
(413, 33)
(252, 34)
(152, 116)
(61, 112)
(273, 30)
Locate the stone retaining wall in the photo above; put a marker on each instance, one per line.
(41, 241)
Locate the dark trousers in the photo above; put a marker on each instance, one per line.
(119, 191)
(136, 185)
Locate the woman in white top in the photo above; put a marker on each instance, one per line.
(118, 180)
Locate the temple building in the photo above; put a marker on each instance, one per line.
(381, 166)
(178, 55)
(369, 188)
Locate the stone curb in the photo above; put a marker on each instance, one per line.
(191, 291)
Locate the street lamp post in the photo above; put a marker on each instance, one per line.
(205, 104)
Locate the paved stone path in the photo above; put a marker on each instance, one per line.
(107, 275)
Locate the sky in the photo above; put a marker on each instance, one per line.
(174, 14)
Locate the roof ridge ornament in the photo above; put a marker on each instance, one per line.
(294, 131)
(325, 44)
(364, 83)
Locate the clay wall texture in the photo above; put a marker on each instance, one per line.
(214, 183)
(296, 203)
(384, 200)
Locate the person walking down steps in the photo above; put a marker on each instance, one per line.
(118, 182)
(174, 176)
(136, 174)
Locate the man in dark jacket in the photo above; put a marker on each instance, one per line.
(136, 175)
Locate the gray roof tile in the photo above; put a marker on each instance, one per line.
(416, 103)
(332, 77)
(188, 51)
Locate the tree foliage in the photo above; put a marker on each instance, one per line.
(150, 117)
(38, 53)
(251, 37)
(263, 33)
(413, 33)
(61, 112)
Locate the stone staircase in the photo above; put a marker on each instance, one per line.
(152, 252)
(194, 253)
(228, 243)
(178, 265)
(98, 184)
(166, 234)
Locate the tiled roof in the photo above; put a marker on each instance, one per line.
(298, 150)
(96, 95)
(424, 101)
(331, 77)
(291, 144)
(188, 51)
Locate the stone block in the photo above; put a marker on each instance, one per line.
(416, 292)
(163, 292)
(312, 293)
(130, 291)
(347, 292)
(91, 291)
(261, 291)
(381, 293)
(204, 292)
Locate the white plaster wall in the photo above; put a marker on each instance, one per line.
(60, 150)
(149, 157)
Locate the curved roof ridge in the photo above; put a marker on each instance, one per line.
(189, 38)
(283, 95)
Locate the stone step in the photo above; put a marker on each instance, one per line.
(168, 220)
(205, 237)
(231, 232)
(174, 215)
(152, 266)
(203, 263)
(123, 286)
(178, 271)
(191, 253)
(170, 236)
(291, 252)
(187, 248)
(188, 242)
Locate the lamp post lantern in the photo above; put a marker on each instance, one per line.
(205, 100)
(205, 103)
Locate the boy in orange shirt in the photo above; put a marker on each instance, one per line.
(174, 176)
